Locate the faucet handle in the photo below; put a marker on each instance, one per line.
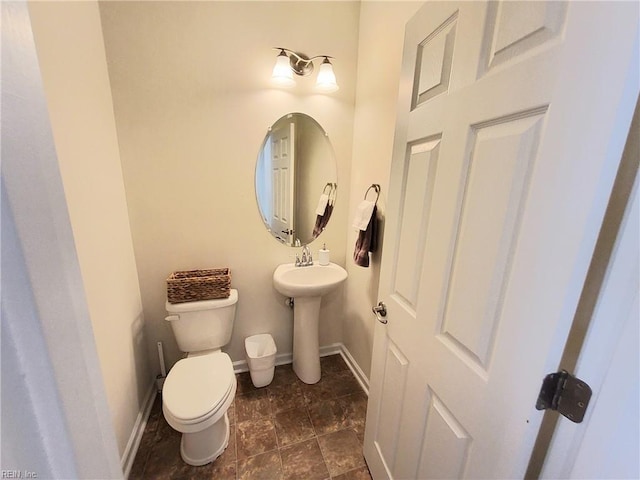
(297, 260)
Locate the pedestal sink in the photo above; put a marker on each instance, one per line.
(307, 285)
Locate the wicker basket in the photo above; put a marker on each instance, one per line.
(194, 285)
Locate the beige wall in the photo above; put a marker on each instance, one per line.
(379, 59)
(72, 61)
(193, 101)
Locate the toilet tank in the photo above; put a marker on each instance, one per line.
(203, 325)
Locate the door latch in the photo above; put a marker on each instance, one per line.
(566, 394)
(380, 311)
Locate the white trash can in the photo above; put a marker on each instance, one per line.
(261, 357)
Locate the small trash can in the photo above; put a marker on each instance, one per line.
(261, 357)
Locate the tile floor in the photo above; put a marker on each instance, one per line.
(287, 430)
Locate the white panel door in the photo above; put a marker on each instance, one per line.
(282, 181)
(511, 122)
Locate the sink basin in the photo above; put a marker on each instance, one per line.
(312, 281)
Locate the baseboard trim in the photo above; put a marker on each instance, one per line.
(130, 451)
(336, 348)
(355, 369)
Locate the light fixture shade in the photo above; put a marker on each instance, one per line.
(326, 81)
(282, 73)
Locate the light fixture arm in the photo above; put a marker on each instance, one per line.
(301, 64)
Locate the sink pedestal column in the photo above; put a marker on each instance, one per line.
(306, 351)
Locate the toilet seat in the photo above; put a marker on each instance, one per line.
(198, 391)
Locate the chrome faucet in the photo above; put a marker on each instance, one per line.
(306, 259)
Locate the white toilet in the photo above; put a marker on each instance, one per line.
(200, 388)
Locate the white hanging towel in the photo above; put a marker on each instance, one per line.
(322, 204)
(363, 214)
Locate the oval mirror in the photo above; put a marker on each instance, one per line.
(296, 179)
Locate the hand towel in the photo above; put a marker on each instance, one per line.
(322, 204)
(317, 227)
(322, 220)
(327, 215)
(367, 240)
(363, 214)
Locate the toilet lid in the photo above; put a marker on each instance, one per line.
(196, 386)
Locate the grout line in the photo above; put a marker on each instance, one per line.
(235, 437)
(280, 457)
(324, 459)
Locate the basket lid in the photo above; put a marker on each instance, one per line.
(203, 304)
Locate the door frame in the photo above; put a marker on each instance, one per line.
(609, 293)
(44, 294)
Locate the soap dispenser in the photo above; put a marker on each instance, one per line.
(323, 255)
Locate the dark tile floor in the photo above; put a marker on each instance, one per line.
(287, 430)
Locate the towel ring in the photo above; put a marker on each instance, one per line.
(376, 187)
(330, 185)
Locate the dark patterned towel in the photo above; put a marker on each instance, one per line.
(367, 241)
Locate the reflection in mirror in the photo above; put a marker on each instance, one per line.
(296, 181)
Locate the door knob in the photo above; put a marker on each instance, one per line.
(380, 312)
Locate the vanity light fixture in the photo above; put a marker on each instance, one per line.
(289, 62)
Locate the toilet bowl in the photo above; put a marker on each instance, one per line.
(200, 388)
(196, 396)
